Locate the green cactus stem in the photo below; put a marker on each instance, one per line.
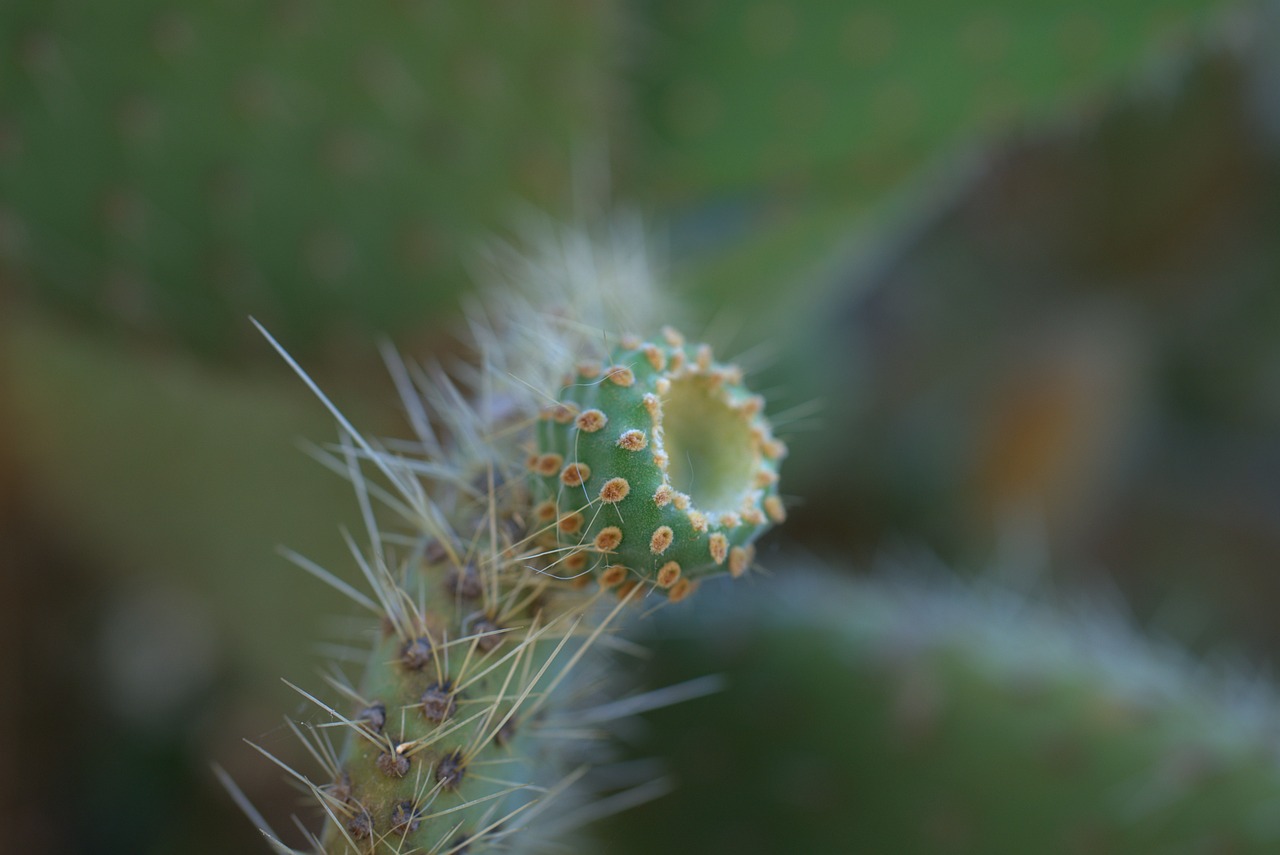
(656, 468)
(460, 736)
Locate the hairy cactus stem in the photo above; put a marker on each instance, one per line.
(655, 469)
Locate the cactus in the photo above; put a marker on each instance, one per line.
(174, 166)
(944, 716)
(455, 734)
(843, 103)
(785, 140)
(656, 467)
(925, 699)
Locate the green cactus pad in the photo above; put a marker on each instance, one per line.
(176, 166)
(949, 716)
(658, 468)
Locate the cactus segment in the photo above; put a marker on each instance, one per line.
(312, 162)
(661, 463)
(944, 715)
(448, 740)
(655, 468)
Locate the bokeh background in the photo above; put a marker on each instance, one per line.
(1015, 268)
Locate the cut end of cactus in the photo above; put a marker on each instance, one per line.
(670, 459)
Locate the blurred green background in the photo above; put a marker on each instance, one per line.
(1014, 265)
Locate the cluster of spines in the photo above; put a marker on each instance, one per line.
(619, 458)
(447, 741)
(444, 730)
(456, 735)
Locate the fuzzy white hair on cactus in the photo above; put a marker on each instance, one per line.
(482, 532)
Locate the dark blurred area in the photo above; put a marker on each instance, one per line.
(1081, 346)
(1024, 260)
